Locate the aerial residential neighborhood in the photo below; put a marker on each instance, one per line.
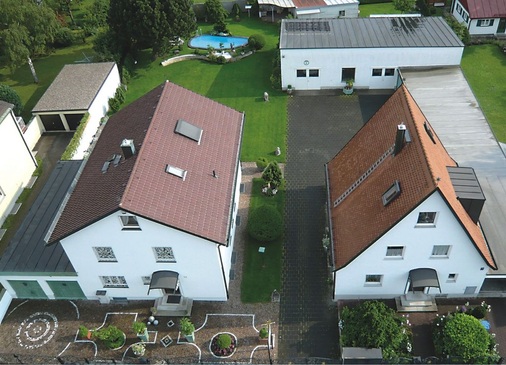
(268, 181)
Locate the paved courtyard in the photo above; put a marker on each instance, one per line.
(319, 125)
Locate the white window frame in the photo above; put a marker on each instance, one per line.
(369, 282)
(377, 69)
(299, 71)
(113, 281)
(485, 22)
(392, 252)
(436, 251)
(313, 70)
(426, 224)
(129, 222)
(452, 277)
(105, 254)
(164, 254)
(389, 68)
(459, 9)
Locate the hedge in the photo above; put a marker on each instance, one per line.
(76, 139)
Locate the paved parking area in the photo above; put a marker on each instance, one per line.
(319, 125)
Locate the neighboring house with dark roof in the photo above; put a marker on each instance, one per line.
(311, 9)
(152, 215)
(15, 173)
(481, 17)
(78, 89)
(325, 53)
(403, 216)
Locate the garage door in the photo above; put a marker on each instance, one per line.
(52, 122)
(73, 120)
(27, 289)
(66, 289)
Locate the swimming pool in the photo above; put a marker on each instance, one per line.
(206, 40)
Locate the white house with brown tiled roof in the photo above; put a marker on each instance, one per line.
(404, 217)
(153, 212)
(481, 17)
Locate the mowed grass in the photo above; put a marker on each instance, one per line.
(485, 69)
(380, 8)
(262, 271)
(239, 85)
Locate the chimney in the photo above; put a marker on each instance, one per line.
(399, 138)
(128, 148)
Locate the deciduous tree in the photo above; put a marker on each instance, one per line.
(404, 6)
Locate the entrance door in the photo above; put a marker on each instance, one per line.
(66, 289)
(502, 26)
(27, 289)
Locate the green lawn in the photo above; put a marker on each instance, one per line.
(380, 8)
(485, 69)
(239, 85)
(262, 271)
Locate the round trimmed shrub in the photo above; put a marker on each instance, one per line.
(265, 224)
(224, 341)
(256, 41)
(9, 95)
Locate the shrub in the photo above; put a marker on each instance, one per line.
(186, 326)
(276, 72)
(63, 38)
(224, 341)
(221, 60)
(120, 94)
(264, 333)
(265, 223)
(9, 95)
(460, 29)
(139, 327)
(111, 336)
(256, 41)
(236, 11)
(76, 139)
(372, 324)
(83, 331)
(272, 175)
(461, 335)
(262, 163)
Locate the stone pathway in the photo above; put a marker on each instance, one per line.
(318, 127)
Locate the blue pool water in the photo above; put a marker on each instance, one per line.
(204, 41)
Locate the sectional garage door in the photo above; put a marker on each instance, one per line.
(66, 289)
(27, 289)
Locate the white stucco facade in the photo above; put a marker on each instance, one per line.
(17, 163)
(461, 272)
(324, 67)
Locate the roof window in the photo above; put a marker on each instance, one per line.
(392, 193)
(176, 171)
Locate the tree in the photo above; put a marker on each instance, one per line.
(215, 12)
(372, 324)
(26, 30)
(62, 7)
(139, 24)
(9, 95)
(461, 335)
(404, 6)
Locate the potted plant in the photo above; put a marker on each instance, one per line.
(141, 330)
(187, 329)
(84, 332)
(139, 349)
(263, 335)
(289, 90)
(348, 88)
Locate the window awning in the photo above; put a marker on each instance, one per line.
(164, 279)
(422, 278)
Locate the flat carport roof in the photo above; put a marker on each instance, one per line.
(446, 99)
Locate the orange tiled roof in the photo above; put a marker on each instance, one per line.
(421, 168)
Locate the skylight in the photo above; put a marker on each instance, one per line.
(189, 130)
(176, 171)
(392, 193)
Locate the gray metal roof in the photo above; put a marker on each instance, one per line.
(5, 107)
(367, 33)
(75, 87)
(465, 183)
(446, 99)
(27, 251)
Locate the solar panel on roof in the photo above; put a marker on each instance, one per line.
(189, 130)
(308, 26)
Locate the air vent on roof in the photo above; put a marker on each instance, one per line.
(176, 171)
(429, 131)
(128, 148)
(188, 130)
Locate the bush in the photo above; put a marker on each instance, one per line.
(256, 41)
(120, 94)
(76, 139)
(265, 223)
(111, 336)
(262, 163)
(372, 324)
(276, 72)
(264, 333)
(63, 38)
(224, 341)
(114, 105)
(272, 175)
(460, 29)
(461, 335)
(236, 11)
(9, 95)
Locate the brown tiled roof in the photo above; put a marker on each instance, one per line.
(485, 8)
(201, 204)
(75, 87)
(360, 219)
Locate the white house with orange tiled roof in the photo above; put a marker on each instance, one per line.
(311, 9)
(152, 215)
(481, 17)
(404, 218)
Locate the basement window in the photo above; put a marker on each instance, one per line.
(176, 171)
(392, 193)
